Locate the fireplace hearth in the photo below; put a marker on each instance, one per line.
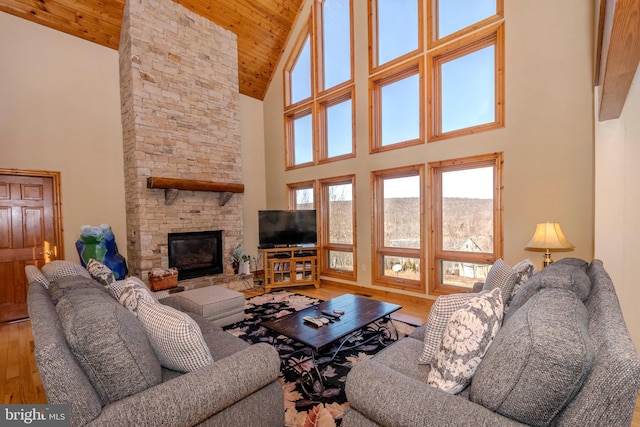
(196, 254)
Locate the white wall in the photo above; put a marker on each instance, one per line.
(60, 111)
(253, 169)
(617, 203)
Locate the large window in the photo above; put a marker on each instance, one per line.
(452, 19)
(319, 90)
(398, 220)
(466, 85)
(396, 30)
(338, 227)
(465, 217)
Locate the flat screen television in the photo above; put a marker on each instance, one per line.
(287, 228)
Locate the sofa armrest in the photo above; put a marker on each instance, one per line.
(195, 396)
(392, 399)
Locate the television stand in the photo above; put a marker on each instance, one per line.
(288, 267)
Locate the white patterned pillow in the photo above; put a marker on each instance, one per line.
(437, 322)
(56, 269)
(175, 337)
(503, 277)
(524, 270)
(34, 274)
(133, 292)
(100, 272)
(465, 342)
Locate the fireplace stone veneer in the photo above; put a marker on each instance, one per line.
(180, 119)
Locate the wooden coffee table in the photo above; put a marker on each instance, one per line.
(358, 313)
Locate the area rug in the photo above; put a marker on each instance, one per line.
(323, 409)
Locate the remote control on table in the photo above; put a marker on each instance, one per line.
(332, 315)
(313, 321)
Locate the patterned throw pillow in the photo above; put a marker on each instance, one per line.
(437, 322)
(100, 272)
(465, 342)
(35, 275)
(132, 293)
(524, 270)
(60, 268)
(175, 337)
(503, 277)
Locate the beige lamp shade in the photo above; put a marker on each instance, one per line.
(548, 236)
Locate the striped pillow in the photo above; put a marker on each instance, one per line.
(503, 277)
(175, 337)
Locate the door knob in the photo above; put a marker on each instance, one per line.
(49, 253)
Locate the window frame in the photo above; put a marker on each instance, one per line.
(436, 253)
(374, 66)
(291, 189)
(289, 135)
(321, 116)
(379, 251)
(432, 24)
(490, 36)
(291, 62)
(325, 245)
(376, 83)
(319, 42)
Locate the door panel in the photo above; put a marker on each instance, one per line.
(27, 234)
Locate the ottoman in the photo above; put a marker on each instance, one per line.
(221, 306)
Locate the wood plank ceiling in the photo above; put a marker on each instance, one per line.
(262, 27)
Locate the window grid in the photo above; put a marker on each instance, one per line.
(382, 251)
(328, 247)
(437, 255)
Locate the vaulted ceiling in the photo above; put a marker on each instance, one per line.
(262, 27)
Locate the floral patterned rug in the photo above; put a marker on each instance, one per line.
(324, 408)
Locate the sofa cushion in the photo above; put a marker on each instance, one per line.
(524, 270)
(174, 336)
(109, 344)
(71, 284)
(538, 361)
(437, 322)
(132, 293)
(557, 275)
(501, 276)
(56, 269)
(465, 341)
(34, 274)
(100, 272)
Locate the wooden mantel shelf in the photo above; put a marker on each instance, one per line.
(172, 187)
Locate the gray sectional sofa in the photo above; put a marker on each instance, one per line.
(563, 356)
(238, 389)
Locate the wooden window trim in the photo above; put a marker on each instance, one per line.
(377, 232)
(327, 246)
(323, 105)
(293, 60)
(491, 36)
(434, 203)
(291, 193)
(376, 84)
(319, 40)
(432, 24)
(374, 66)
(289, 146)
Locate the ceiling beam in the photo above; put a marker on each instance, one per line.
(620, 55)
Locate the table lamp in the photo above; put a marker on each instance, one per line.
(549, 237)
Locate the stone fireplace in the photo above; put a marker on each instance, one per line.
(180, 119)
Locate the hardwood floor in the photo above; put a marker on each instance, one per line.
(20, 382)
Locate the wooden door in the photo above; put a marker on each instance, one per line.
(29, 234)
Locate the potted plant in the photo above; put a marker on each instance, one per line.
(239, 260)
